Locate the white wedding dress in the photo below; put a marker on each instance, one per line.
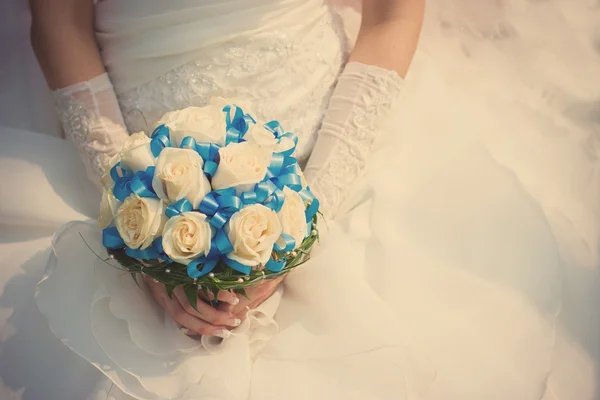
(467, 267)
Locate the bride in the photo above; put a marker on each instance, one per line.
(279, 60)
(451, 266)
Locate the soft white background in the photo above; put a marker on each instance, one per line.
(529, 68)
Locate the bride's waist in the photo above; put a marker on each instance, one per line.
(134, 56)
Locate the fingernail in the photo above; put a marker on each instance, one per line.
(222, 333)
(234, 301)
(234, 322)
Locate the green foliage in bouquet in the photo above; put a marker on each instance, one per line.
(221, 278)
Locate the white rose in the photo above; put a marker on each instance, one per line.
(106, 180)
(108, 208)
(134, 140)
(205, 124)
(292, 216)
(241, 166)
(179, 175)
(140, 220)
(260, 136)
(136, 154)
(253, 231)
(186, 237)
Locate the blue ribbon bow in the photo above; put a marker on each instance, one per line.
(127, 183)
(237, 123)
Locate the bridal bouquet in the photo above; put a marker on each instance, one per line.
(210, 201)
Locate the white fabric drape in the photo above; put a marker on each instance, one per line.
(141, 42)
(492, 223)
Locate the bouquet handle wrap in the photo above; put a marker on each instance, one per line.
(92, 120)
(351, 133)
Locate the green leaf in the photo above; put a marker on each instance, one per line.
(242, 291)
(170, 289)
(206, 293)
(134, 276)
(191, 292)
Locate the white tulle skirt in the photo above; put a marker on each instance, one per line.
(469, 270)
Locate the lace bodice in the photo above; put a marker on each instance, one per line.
(284, 74)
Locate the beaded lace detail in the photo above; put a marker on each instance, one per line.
(75, 119)
(286, 75)
(352, 128)
(91, 120)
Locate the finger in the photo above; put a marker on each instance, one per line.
(228, 297)
(258, 295)
(243, 314)
(255, 304)
(223, 295)
(226, 307)
(205, 312)
(228, 301)
(157, 290)
(176, 311)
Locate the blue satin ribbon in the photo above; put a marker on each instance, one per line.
(117, 172)
(178, 207)
(161, 139)
(237, 123)
(268, 194)
(220, 205)
(139, 183)
(220, 246)
(284, 169)
(244, 269)
(210, 154)
(152, 252)
(275, 266)
(277, 130)
(111, 239)
(313, 207)
(285, 243)
(205, 265)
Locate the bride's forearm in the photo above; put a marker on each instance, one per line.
(354, 124)
(62, 36)
(389, 33)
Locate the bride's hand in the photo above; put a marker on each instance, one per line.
(206, 321)
(256, 296)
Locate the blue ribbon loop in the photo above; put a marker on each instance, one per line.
(220, 205)
(178, 207)
(161, 139)
(237, 123)
(205, 265)
(275, 266)
(111, 239)
(313, 207)
(285, 243)
(208, 151)
(139, 183)
(150, 253)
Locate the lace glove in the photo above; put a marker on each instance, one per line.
(351, 130)
(92, 119)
